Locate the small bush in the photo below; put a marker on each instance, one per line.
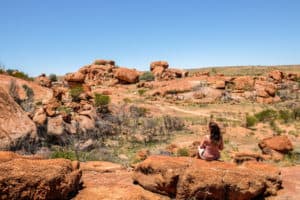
(53, 77)
(67, 154)
(127, 100)
(101, 100)
(19, 74)
(64, 109)
(137, 111)
(75, 93)
(147, 76)
(250, 121)
(142, 92)
(285, 115)
(266, 115)
(182, 152)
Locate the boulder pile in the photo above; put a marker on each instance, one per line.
(102, 72)
(161, 71)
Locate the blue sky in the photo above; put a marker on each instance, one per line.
(59, 36)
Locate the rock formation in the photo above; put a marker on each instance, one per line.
(26, 178)
(190, 178)
(16, 128)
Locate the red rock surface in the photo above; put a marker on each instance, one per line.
(41, 94)
(126, 75)
(109, 181)
(277, 143)
(16, 128)
(23, 178)
(188, 178)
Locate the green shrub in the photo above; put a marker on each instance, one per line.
(101, 100)
(67, 154)
(266, 115)
(75, 93)
(64, 109)
(182, 152)
(250, 121)
(147, 76)
(285, 115)
(53, 77)
(127, 100)
(142, 92)
(19, 74)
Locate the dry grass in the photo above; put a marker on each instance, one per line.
(247, 70)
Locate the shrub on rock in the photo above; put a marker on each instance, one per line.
(147, 76)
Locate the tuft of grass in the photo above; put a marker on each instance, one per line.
(19, 74)
(147, 76)
(75, 93)
(64, 109)
(142, 92)
(62, 153)
(183, 152)
(101, 100)
(127, 100)
(285, 115)
(266, 115)
(250, 121)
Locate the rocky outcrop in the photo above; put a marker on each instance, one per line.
(190, 178)
(25, 178)
(16, 129)
(243, 83)
(109, 181)
(41, 94)
(161, 71)
(172, 87)
(276, 75)
(276, 146)
(43, 80)
(126, 75)
(77, 77)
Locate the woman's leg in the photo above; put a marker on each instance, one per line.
(201, 152)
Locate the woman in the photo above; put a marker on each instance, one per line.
(212, 144)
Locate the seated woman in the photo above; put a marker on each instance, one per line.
(212, 144)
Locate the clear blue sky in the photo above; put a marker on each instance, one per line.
(59, 36)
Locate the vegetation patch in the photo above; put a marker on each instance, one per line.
(147, 76)
(101, 100)
(19, 74)
(182, 152)
(53, 77)
(75, 92)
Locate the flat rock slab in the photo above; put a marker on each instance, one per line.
(109, 181)
(190, 178)
(290, 184)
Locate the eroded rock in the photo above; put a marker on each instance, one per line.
(16, 128)
(190, 178)
(24, 178)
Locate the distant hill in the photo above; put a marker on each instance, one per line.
(247, 70)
